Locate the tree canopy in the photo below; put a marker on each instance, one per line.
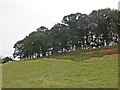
(76, 31)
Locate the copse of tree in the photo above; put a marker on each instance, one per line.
(5, 59)
(76, 31)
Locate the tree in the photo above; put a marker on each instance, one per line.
(59, 37)
(42, 29)
(34, 45)
(6, 59)
(18, 49)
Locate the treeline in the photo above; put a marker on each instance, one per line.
(76, 31)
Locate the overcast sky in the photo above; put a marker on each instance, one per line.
(18, 18)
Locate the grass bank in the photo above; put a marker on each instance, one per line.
(96, 72)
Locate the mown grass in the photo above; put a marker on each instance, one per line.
(96, 72)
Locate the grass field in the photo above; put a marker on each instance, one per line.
(95, 72)
(0, 76)
(62, 72)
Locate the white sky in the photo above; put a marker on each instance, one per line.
(18, 18)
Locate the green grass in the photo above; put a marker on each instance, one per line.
(62, 73)
(66, 70)
(0, 76)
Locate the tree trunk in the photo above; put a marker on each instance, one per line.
(43, 54)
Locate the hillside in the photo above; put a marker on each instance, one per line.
(93, 69)
(79, 55)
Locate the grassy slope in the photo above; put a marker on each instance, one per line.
(79, 55)
(0, 76)
(51, 72)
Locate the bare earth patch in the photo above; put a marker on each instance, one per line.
(102, 50)
(111, 56)
(94, 59)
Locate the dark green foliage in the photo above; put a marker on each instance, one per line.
(77, 31)
(6, 59)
